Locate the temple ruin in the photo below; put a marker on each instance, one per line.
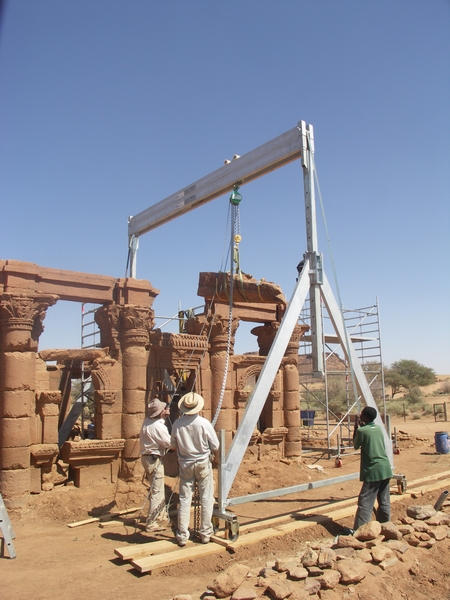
(134, 362)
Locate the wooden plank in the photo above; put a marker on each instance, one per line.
(106, 517)
(147, 549)
(150, 563)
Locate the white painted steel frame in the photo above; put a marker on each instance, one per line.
(270, 156)
(295, 143)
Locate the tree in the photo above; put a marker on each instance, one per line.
(403, 375)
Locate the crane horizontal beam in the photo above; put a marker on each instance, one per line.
(270, 156)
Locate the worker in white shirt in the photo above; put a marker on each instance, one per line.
(194, 439)
(154, 443)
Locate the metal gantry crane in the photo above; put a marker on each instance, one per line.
(297, 143)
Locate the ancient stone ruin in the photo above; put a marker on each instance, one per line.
(135, 362)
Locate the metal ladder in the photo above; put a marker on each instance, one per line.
(7, 531)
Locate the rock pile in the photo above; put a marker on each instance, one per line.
(344, 560)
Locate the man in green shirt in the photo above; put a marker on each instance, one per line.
(375, 470)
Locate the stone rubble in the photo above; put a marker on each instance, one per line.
(325, 564)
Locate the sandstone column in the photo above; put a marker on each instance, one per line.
(21, 318)
(293, 444)
(218, 360)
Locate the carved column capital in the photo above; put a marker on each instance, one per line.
(265, 335)
(297, 334)
(218, 337)
(21, 320)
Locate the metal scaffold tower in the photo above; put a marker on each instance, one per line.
(332, 398)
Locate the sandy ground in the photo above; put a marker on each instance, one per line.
(54, 560)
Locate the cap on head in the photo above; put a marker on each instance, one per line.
(191, 403)
(155, 408)
(369, 413)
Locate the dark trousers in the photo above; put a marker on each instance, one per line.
(371, 491)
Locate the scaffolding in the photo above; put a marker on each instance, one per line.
(332, 397)
(90, 338)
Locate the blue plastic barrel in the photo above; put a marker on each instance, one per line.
(307, 417)
(441, 441)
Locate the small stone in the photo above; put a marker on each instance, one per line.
(405, 529)
(420, 526)
(412, 539)
(314, 571)
(228, 581)
(440, 518)
(365, 555)
(312, 586)
(244, 592)
(342, 553)
(298, 573)
(421, 512)
(310, 557)
(391, 531)
(427, 543)
(381, 553)
(352, 570)
(329, 579)
(368, 531)
(439, 532)
(279, 589)
(349, 541)
(388, 563)
(397, 546)
(326, 558)
(282, 565)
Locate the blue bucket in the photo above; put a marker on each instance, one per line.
(307, 417)
(441, 441)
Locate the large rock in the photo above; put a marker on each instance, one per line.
(421, 512)
(368, 531)
(228, 581)
(352, 570)
(279, 589)
(329, 579)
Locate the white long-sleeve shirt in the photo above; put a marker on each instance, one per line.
(194, 438)
(154, 437)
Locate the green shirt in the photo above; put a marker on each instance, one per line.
(375, 465)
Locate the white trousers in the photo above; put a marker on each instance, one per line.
(202, 473)
(154, 469)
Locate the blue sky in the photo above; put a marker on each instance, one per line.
(107, 107)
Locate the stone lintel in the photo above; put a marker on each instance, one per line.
(29, 278)
(84, 354)
(138, 292)
(252, 312)
(87, 452)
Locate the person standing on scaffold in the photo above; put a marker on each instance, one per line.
(154, 443)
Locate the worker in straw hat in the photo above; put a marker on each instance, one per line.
(154, 443)
(194, 439)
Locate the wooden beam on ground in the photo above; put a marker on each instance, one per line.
(107, 517)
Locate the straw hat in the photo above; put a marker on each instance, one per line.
(155, 408)
(191, 403)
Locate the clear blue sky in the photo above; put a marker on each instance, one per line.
(107, 107)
